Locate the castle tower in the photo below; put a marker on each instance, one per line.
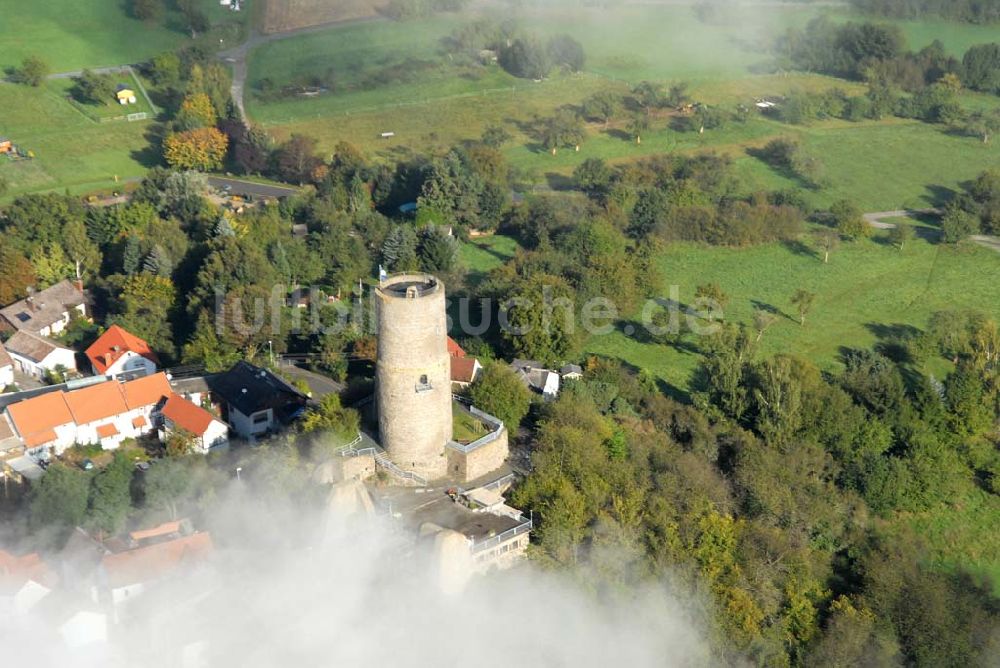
(413, 373)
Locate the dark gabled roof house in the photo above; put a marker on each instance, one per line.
(251, 389)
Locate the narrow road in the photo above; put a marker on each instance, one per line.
(875, 219)
(237, 56)
(111, 69)
(244, 188)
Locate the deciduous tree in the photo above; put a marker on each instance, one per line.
(202, 149)
(500, 392)
(803, 301)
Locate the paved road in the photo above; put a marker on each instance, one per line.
(244, 188)
(319, 384)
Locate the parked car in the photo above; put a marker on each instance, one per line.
(87, 465)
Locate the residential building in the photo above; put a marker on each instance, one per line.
(24, 582)
(123, 576)
(571, 372)
(536, 377)
(118, 351)
(464, 370)
(35, 355)
(254, 400)
(48, 311)
(6, 369)
(106, 413)
(180, 414)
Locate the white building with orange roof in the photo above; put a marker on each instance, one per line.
(24, 581)
(207, 431)
(127, 574)
(118, 351)
(106, 413)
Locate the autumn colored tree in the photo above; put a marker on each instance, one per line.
(197, 111)
(202, 149)
(16, 274)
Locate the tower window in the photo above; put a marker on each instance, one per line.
(424, 385)
(423, 379)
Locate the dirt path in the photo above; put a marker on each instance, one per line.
(875, 219)
(237, 56)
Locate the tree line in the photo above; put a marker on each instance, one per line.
(764, 493)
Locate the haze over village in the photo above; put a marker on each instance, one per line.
(436, 332)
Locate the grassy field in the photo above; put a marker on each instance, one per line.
(73, 34)
(868, 291)
(481, 255)
(72, 151)
(880, 165)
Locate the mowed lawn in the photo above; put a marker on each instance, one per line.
(72, 34)
(71, 150)
(883, 165)
(627, 45)
(868, 290)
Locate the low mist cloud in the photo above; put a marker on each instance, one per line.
(361, 592)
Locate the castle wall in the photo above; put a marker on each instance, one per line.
(466, 466)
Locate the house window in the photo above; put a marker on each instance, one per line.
(260, 418)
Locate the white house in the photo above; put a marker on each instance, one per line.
(106, 413)
(6, 369)
(47, 312)
(118, 351)
(33, 355)
(537, 377)
(180, 414)
(255, 400)
(124, 576)
(43, 422)
(24, 582)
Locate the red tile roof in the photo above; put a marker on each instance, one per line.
(26, 567)
(454, 349)
(107, 430)
(113, 344)
(35, 418)
(97, 402)
(146, 391)
(186, 415)
(37, 438)
(463, 369)
(164, 529)
(139, 422)
(150, 562)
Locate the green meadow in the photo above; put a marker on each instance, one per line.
(868, 292)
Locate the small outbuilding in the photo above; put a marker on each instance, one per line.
(125, 94)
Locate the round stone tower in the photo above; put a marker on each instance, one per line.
(413, 373)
